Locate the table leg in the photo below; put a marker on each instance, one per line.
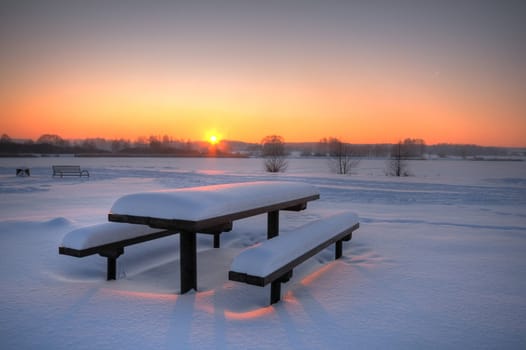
(188, 261)
(272, 224)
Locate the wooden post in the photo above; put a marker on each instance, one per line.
(111, 270)
(272, 224)
(217, 240)
(339, 249)
(188, 263)
(275, 292)
(111, 265)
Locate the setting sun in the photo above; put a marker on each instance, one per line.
(213, 139)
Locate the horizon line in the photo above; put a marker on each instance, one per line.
(137, 139)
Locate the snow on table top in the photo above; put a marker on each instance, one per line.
(199, 203)
(270, 255)
(105, 233)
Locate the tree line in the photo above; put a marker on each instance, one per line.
(343, 155)
(54, 144)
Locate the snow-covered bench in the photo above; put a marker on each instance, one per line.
(273, 261)
(107, 240)
(69, 170)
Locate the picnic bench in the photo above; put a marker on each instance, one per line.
(69, 170)
(210, 209)
(273, 261)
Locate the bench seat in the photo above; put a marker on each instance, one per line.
(84, 238)
(107, 240)
(272, 261)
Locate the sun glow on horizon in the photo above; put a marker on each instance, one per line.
(213, 139)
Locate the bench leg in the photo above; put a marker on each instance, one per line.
(111, 265)
(111, 269)
(188, 261)
(339, 246)
(272, 224)
(275, 287)
(275, 292)
(217, 240)
(338, 250)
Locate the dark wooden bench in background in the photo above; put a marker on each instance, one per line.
(273, 261)
(69, 170)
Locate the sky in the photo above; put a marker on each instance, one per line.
(362, 71)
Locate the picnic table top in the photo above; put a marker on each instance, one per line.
(205, 206)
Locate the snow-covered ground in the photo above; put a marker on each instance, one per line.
(438, 262)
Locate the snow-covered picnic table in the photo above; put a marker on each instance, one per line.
(210, 209)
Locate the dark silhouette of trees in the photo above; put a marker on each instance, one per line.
(322, 148)
(5, 139)
(401, 152)
(273, 151)
(414, 148)
(397, 163)
(119, 145)
(89, 145)
(52, 139)
(341, 155)
(444, 150)
(155, 144)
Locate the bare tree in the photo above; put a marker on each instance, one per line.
(155, 143)
(322, 149)
(119, 145)
(414, 148)
(53, 139)
(397, 163)
(5, 139)
(342, 160)
(273, 150)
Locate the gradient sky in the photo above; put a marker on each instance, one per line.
(363, 71)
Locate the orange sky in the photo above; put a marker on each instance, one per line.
(443, 80)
